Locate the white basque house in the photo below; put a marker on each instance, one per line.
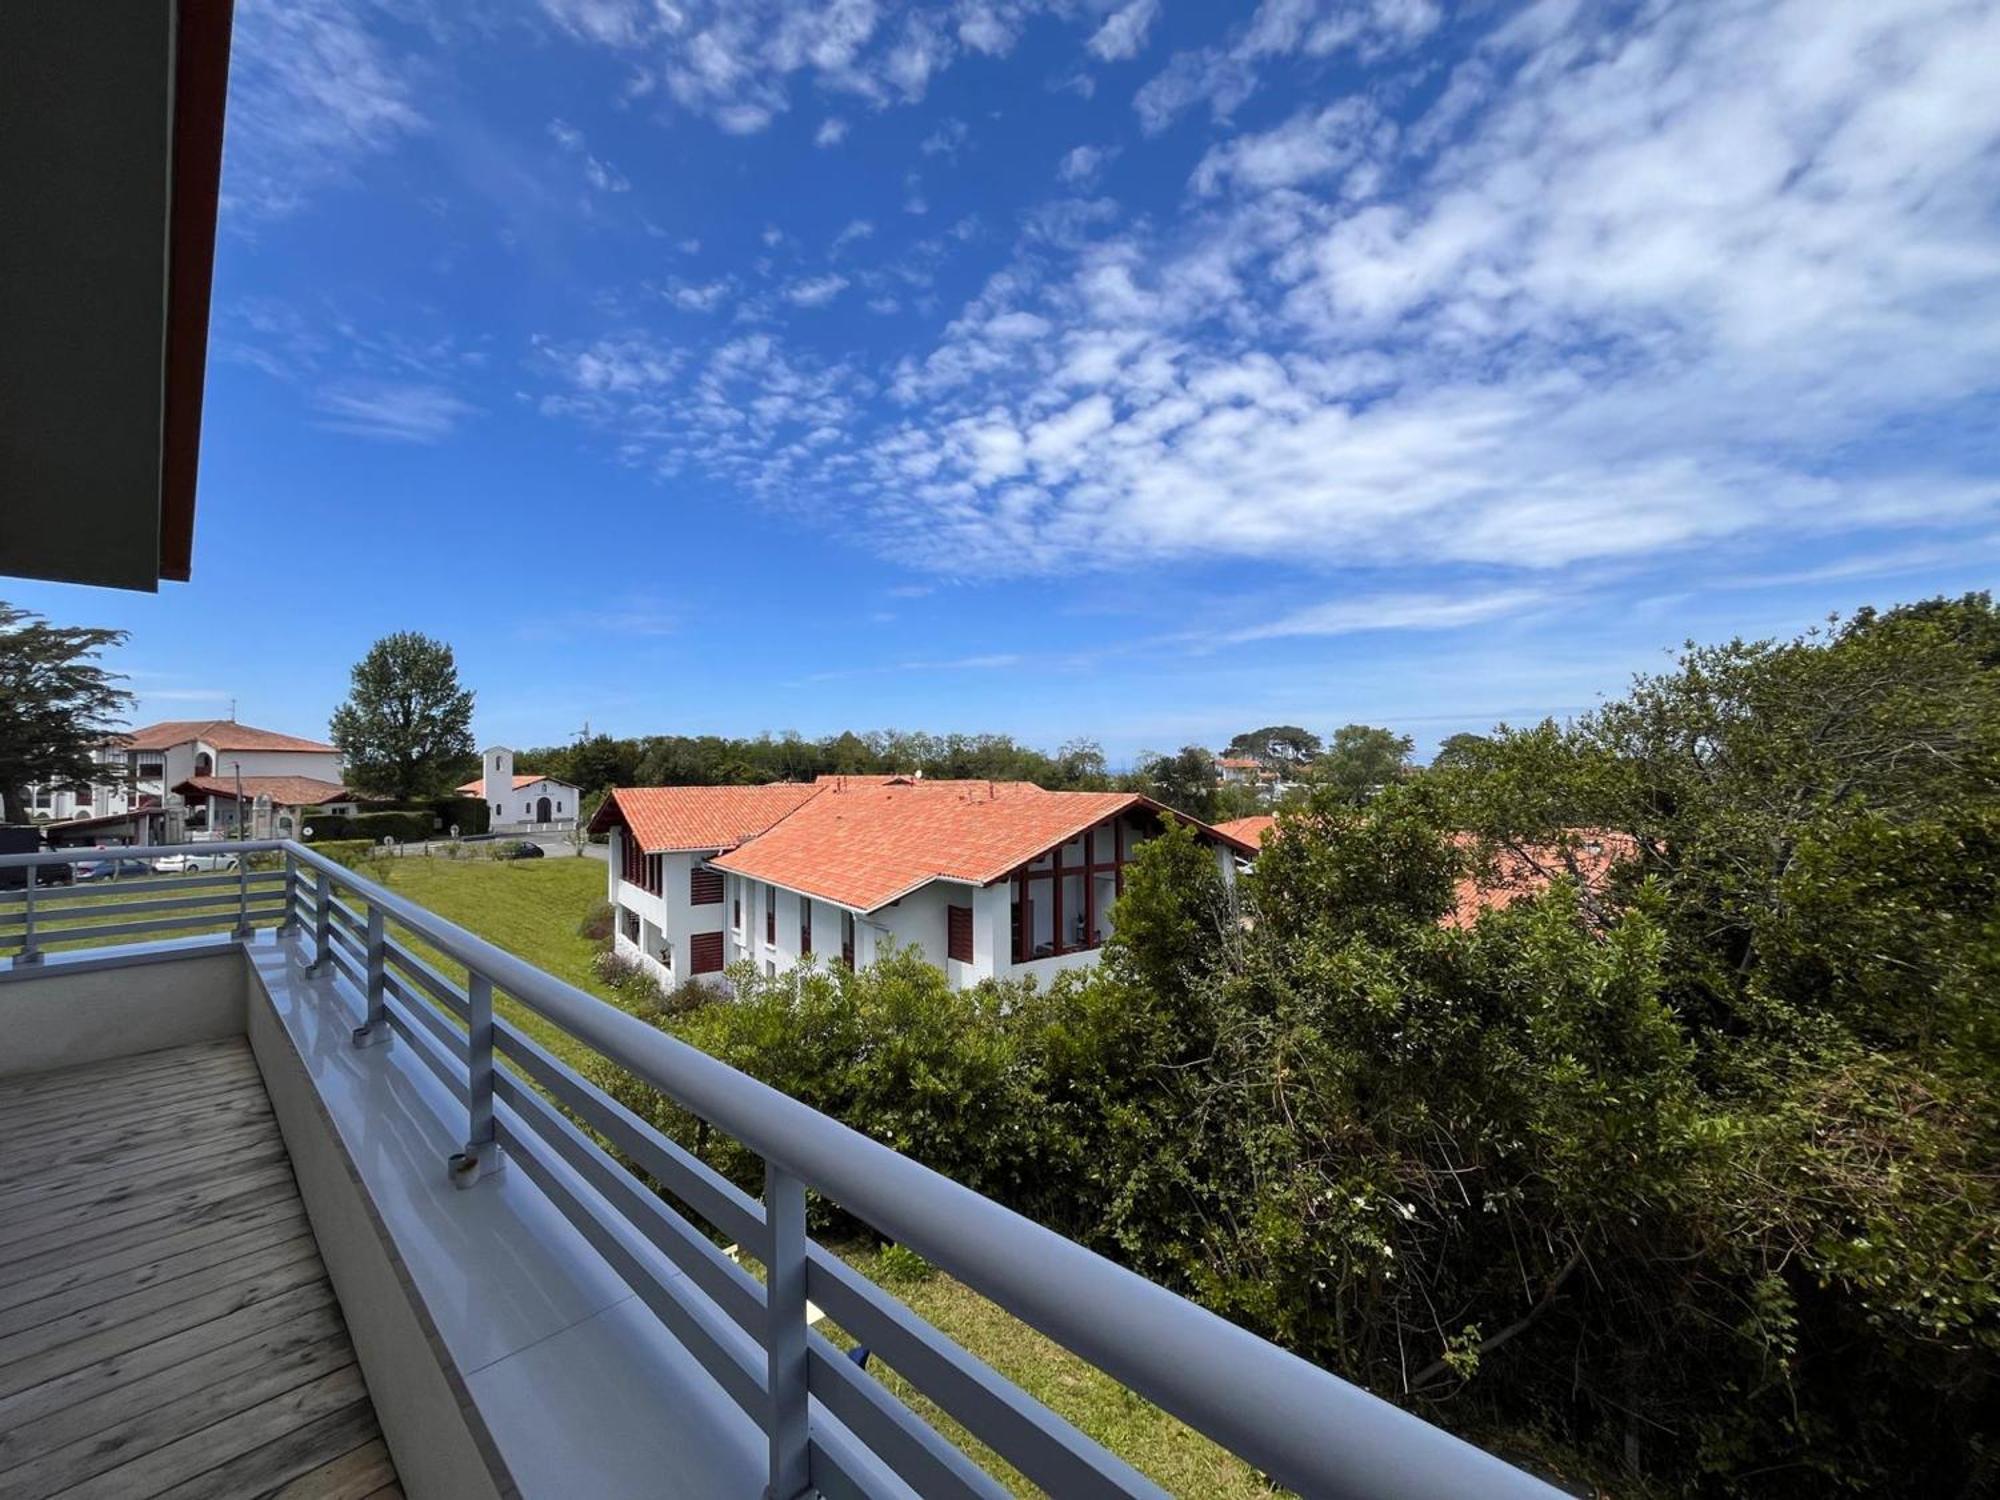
(521, 800)
(985, 879)
(162, 781)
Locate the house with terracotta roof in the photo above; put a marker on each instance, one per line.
(521, 800)
(986, 879)
(144, 768)
(1500, 876)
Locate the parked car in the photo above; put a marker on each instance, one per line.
(522, 850)
(112, 868)
(20, 840)
(192, 861)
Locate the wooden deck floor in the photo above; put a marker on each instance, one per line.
(166, 1325)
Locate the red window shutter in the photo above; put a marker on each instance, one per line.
(958, 933)
(704, 886)
(705, 953)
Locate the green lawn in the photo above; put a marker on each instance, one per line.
(532, 909)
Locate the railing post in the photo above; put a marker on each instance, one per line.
(375, 1029)
(322, 924)
(29, 953)
(481, 1155)
(289, 922)
(785, 1332)
(242, 896)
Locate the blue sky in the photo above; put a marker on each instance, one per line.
(1134, 369)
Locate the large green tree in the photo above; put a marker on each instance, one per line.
(1277, 744)
(1184, 781)
(57, 704)
(405, 730)
(1360, 760)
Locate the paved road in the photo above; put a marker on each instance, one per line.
(554, 845)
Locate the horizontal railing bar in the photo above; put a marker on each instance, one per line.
(56, 913)
(46, 936)
(732, 1289)
(731, 1357)
(421, 1041)
(908, 1444)
(448, 1035)
(149, 851)
(356, 976)
(96, 889)
(349, 943)
(440, 988)
(346, 915)
(673, 1166)
(1046, 1449)
(918, 1452)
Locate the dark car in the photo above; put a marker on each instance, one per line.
(111, 868)
(19, 840)
(522, 850)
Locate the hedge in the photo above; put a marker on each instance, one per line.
(372, 826)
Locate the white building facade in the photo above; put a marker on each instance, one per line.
(521, 801)
(142, 768)
(813, 881)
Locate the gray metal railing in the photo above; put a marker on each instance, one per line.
(832, 1428)
(37, 914)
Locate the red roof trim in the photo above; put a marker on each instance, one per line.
(201, 91)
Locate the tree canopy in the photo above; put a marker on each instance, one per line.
(1277, 744)
(57, 704)
(405, 730)
(1360, 760)
(1683, 1183)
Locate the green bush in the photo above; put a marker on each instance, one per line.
(403, 827)
(598, 921)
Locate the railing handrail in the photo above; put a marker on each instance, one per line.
(1302, 1425)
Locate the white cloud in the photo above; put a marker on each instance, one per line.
(312, 94)
(737, 62)
(1223, 77)
(855, 231)
(816, 291)
(601, 175)
(1124, 31)
(1308, 147)
(1404, 611)
(947, 140)
(1082, 164)
(704, 296)
(386, 409)
(1629, 291)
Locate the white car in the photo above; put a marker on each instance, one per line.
(193, 861)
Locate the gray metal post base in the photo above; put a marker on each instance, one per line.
(477, 1162)
(377, 1035)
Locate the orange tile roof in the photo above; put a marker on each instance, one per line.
(1249, 830)
(521, 779)
(864, 845)
(1514, 876)
(223, 734)
(284, 791)
(665, 818)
